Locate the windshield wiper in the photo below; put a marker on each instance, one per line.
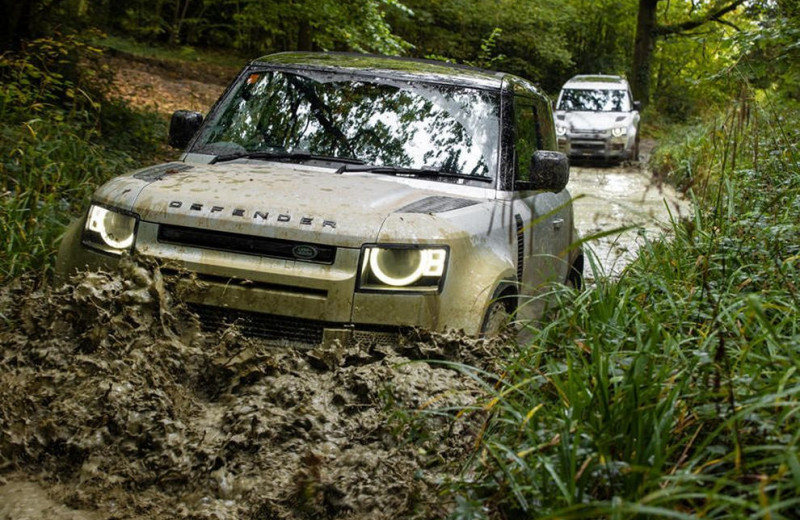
(283, 156)
(416, 172)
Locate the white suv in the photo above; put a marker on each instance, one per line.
(596, 117)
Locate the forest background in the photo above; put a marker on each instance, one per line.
(673, 391)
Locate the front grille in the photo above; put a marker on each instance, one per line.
(375, 338)
(291, 330)
(247, 244)
(251, 284)
(260, 325)
(588, 146)
(588, 131)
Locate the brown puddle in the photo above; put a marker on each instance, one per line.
(113, 404)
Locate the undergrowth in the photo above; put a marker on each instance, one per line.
(673, 392)
(60, 136)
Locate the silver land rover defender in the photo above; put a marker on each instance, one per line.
(331, 196)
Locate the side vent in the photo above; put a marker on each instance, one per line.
(520, 247)
(156, 173)
(436, 205)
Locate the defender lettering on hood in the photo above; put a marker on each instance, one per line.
(258, 216)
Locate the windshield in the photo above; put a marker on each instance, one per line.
(594, 100)
(378, 121)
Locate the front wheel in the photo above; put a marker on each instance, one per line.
(496, 321)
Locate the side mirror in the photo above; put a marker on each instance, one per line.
(182, 127)
(637, 105)
(549, 171)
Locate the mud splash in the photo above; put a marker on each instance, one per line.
(116, 404)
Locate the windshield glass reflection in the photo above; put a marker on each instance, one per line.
(594, 100)
(381, 122)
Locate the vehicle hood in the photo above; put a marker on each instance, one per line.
(284, 201)
(593, 121)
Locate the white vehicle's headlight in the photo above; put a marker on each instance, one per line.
(402, 268)
(561, 130)
(619, 131)
(109, 230)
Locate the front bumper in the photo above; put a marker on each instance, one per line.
(285, 300)
(595, 146)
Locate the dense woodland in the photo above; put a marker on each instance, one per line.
(673, 391)
(674, 51)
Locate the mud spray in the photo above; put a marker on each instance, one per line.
(114, 403)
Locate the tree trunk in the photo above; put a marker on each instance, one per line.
(643, 50)
(304, 36)
(647, 31)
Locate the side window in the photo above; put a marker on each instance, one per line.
(526, 139)
(545, 126)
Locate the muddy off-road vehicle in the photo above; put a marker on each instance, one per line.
(331, 196)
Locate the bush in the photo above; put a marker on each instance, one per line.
(60, 136)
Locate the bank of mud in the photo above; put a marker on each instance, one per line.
(117, 405)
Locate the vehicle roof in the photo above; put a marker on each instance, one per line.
(391, 66)
(596, 81)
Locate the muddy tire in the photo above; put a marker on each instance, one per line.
(575, 275)
(496, 322)
(635, 154)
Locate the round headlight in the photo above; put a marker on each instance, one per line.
(618, 131)
(115, 229)
(397, 267)
(561, 130)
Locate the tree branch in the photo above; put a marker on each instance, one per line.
(729, 24)
(664, 30)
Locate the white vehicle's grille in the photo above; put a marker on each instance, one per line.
(588, 131)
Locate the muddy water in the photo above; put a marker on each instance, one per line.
(113, 404)
(624, 196)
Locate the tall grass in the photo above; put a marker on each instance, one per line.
(59, 138)
(673, 392)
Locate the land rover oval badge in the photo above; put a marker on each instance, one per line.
(305, 252)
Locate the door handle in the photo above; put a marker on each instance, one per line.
(557, 223)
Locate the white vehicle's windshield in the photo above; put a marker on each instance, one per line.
(594, 100)
(376, 121)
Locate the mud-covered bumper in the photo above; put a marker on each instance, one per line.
(300, 302)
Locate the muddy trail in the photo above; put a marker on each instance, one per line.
(114, 404)
(618, 208)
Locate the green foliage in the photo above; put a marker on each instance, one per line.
(771, 52)
(674, 391)
(523, 37)
(59, 139)
(257, 27)
(487, 57)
